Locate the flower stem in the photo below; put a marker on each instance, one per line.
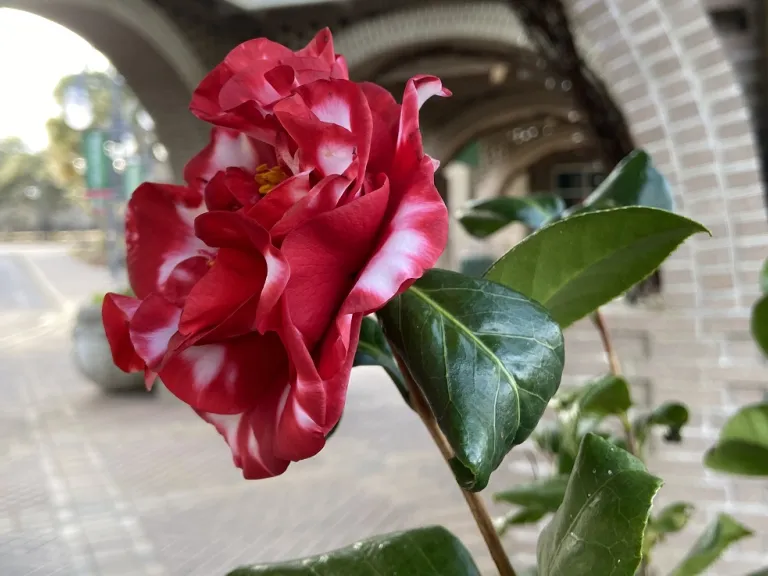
(613, 359)
(613, 362)
(474, 501)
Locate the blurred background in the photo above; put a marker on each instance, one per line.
(98, 477)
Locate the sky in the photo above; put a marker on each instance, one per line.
(34, 55)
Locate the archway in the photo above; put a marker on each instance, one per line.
(149, 51)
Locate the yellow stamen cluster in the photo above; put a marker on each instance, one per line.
(267, 178)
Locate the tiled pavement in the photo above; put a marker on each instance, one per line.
(137, 485)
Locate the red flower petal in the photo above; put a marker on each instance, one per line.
(227, 149)
(280, 199)
(325, 256)
(324, 196)
(412, 240)
(313, 404)
(205, 100)
(386, 118)
(236, 231)
(117, 311)
(183, 278)
(227, 377)
(159, 234)
(331, 123)
(250, 436)
(235, 278)
(231, 189)
(321, 46)
(156, 320)
(409, 150)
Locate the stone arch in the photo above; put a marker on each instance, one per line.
(150, 52)
(444, 142)
(668, 73)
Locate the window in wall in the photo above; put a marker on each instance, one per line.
(574, 182)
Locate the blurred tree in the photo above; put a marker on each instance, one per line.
(25, 179)
(66, 144)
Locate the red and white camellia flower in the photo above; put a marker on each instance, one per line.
(313, 205)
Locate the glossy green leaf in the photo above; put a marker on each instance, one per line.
(483, 217)
(634, 182)
(578, 264)
(373, 350)
(486, 358)
(519, 518)
(759, 323)
(600, 524)
(672, 415)
(743, 444)
(720, 534)
(544, 493)
(431, 551)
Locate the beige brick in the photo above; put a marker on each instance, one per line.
(698, 37)
(725, 324)
(711, 256)
(734, 129)
(746, 204)
(754, 228)
(718, 82)
(743, 179)
(666, 67)
(738, 153)
(691, 135)
(722, 281)
(697, 159)
(727, 105)
(700, 182)
(687, 111)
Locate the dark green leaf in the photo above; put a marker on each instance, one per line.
(578, 264)
(486, 358)
(518, 518)
(609, 395)
(583, 409)
(673, 415)
(431, 551)
(600, 524)
(672, 518)
(743, 444)
(720, 534)
(373, 350)
(759, 323)
(634, 182)
(545, 493)
(481, 218)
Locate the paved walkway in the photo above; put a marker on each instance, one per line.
(138, 485)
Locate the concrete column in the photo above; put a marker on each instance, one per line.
(458, 178)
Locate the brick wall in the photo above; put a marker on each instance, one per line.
(669, 71)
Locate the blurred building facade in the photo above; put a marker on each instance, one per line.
(689, 76)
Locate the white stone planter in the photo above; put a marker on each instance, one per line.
(92, 356)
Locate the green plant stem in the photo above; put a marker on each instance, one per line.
(474, 500)
(613, 362)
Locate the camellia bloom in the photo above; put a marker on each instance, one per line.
(312, 206)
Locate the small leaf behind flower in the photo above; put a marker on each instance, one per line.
(578, 264)
(743, 444)
(486, 358)
(431, 551)
(599, 527)
(482, 218)
(672, 415)
(720, 534)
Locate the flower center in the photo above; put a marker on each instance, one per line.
(267, 178)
